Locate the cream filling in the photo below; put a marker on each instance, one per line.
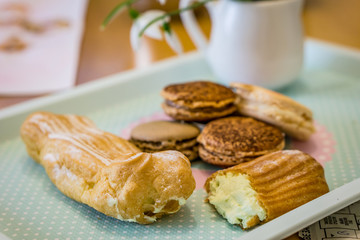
(181, 201)
(111, 202)
(61, 171)
(235, 199)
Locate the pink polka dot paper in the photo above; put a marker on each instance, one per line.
(320, 145)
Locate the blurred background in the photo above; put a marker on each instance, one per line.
(107, 52)
(330, 20)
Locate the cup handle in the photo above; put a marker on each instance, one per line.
(192, 27)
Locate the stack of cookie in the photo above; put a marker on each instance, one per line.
(238, 126)
(199, 101)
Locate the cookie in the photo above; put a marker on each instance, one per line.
(198, 101)
(265, 188)
(291, 117)
(233, 140)
(158, 136)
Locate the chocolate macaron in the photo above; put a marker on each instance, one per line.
(158, 136)
(233, 140)
(198, 101)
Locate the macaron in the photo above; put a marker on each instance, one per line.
(232, 140)
(199, 101)
(293, 118)
(158, 136)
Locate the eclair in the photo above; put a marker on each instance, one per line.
(260, 190)
(290, 116)
(106, 172)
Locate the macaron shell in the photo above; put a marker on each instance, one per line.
(198, 101)
(164, 131)
(224, 160)
(158, 136)
(221, 159)
(240, 135)
(198, 91)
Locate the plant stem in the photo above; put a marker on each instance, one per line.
(173, 13)
(115, 11)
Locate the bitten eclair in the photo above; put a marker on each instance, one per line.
(265, 188)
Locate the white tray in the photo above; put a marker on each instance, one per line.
(32, 208)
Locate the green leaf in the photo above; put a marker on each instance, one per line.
(166, 27)
(173, 13)
(133, 13)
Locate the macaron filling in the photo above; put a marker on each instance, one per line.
(197, 109)
(158, 136)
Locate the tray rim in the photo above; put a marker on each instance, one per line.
(117, 78)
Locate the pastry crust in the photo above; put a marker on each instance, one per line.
(107, 172)
(282, 180)
(279, 110)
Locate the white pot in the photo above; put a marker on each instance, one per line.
(258, 43)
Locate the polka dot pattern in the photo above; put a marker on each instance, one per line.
(321, 144)
(51, 215)
(31, 207)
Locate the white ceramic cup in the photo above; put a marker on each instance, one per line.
(257, 43)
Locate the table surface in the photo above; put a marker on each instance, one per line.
(108, 52)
